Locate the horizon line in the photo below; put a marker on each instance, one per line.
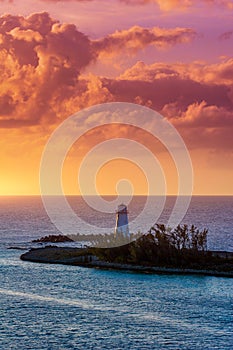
(116, 195)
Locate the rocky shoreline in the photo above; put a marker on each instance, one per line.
(81, 257)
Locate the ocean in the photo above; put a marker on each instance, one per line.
(68, 307)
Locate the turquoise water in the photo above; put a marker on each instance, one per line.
(66, 307)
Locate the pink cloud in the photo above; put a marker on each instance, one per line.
(171, 83)
(200, 115)
(216, 74)
(199, 103)
(137, 38)
(41, 80)
(166, 5)
(42, 60)
(171, 4)
(202, 125)
(226, 36)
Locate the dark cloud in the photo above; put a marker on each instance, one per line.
(226, 36)
(169, 90)
(198, 102)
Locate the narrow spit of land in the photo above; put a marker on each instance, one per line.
(221, 262)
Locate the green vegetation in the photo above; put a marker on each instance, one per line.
(181, 238)
(183, 247)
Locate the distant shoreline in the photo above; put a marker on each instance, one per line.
(77, 257)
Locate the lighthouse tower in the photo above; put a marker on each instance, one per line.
(122, 220)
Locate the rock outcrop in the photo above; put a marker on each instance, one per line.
(53, 239)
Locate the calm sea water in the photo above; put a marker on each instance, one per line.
(67, 307)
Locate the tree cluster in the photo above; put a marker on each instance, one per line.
(161, 246)
(182, 237)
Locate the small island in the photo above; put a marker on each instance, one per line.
(162, 250)
(53, 239)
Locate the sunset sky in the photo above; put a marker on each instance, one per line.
(58, 57)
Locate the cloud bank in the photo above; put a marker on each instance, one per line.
(42, 80)
(42, 59)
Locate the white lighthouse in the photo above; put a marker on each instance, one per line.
(122, 225)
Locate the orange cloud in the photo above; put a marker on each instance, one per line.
(42, 61)
(44, 79)
(167, 5)
(192, 96)
(216, 74)
(164, 5)
(26, 35)
(203, 125)
(136, 38)
(200, 115)
(41, 77)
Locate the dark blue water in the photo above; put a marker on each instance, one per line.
(67, 307)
